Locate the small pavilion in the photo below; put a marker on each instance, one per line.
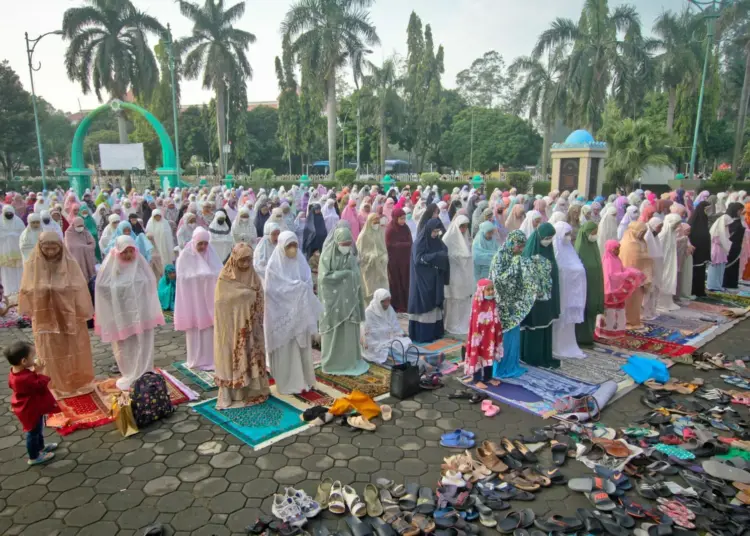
(578, 164)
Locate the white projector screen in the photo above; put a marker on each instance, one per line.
(122, 156)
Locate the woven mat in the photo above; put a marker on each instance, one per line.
(375, 382)
(82, 411)
(202, 378)
(168, 317)
(600, 365)
(735, 300)
(637, 343)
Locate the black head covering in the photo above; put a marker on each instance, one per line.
(429, 271)
(137, 228)
(427, 216)
(261, 219)
(700, 237)
(315, 231)
(455, 207)
(226, 218)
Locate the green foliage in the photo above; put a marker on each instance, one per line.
(262, 174)
(197, 135)
(345, 177)
(429, 178)
(485, 82)
(264, 146)
(17, 135)
(499, 138)
(541, 187)
(34, 185)
(57, 134)
(519, 180)
(722, 179)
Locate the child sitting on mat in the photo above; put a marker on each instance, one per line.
(484, 345)
(31, 400)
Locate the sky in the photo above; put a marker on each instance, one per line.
(466, 29)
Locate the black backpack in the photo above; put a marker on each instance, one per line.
(150, 401)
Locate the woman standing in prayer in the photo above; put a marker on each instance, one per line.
(198, 269)
(515, 218)
(350, 214)
(330, 216)
(631, 215)
(220, 236)
(429, 274)
(55, 295)
(484, 248)
(572, 276)
(262, 215)
(188, 224)
(736, 211)
(11, 260)
(127, 310)
(108, 232)
(588, 252)
(619, 284)
(651, 297)
(381, 328)
(685, 252)
(536, 328)
(30, 236)
(265, 248)
(88, 221)
(243, 230)
(531, 222)
(721, 244)
(607, 228)
(315, 231)
(340, 291)
(700, 238)
(634, 254)
(82, 247)
(159, 228)
(670, 271)
(288, 333)
(459, 293)
(167, 288)
(520, 281)
(373, 257)
(398, 241)
(239, 343)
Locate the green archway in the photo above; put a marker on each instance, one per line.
(80, 175)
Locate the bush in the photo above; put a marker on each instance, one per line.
(262, 174)
(722, 179)
(519, 180)
(429, 178)
(541, 187)
(741, 185)
(345, 177)
(35, 185)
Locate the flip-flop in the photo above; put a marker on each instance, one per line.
(380, 527)
(726, 472)
(559, 453)
(557, 523)
(590, 523)
(622, 518)
(357, 527)
(601, 501)
(611, 526)
(586, 485)
(409, 501)
(323, 492)
(516, 519)
(372, 500)
(425, 502)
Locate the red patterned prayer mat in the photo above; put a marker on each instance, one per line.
(651, 346)
(80, 412)
(315, 397)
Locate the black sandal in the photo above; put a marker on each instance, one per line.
(461, 394)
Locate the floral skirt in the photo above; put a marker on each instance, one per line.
(612, 324)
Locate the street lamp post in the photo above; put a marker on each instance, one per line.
(170, 51)
(711, 10)
(29, 55)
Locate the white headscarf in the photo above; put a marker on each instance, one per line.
(444, 216)
(10, 234)
(721, 203)
(221, 238)
(461, 260)
(265, 248)
(528, 223)
(289, 290)
(607, 228)
(29, 237)
(631, 215)
(52, 226)
(572, 276)
(668, 241)
(329, 215)
(185, 229)
(720, 230)
(243, 230)
(197, 274)
(109, 230)
(162, 233)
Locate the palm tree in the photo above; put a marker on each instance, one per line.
(383, 81)
(325, 34)
(108, 49)
(542, 90)
(738, 13)
(606, 49)
(358, 63)
(680, 56)
(216, 52)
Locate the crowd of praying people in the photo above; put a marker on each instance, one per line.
(256, 280)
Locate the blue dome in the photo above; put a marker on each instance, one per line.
(579, 137)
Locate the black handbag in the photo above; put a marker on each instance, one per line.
(404, 375)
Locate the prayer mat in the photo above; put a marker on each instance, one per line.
(517, 397)
(168, 317)
(260, 425)
(662, 333)
(202, 378)
(450, 347)
(80, 412)
(686, 320)
(178, 392)
(737, 300)
(706, 306)
(375, 382)
(643, 344)
(599, 366)
(315, 397)
(548, 385)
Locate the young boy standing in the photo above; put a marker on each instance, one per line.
(31, 400)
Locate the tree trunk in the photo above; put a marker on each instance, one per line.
(670, 109)
(220, 123)
(122, 128)
(742, 114)
(383, 141)
(545, 151)
(331, 111)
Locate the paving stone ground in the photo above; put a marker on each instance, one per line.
(198, 480)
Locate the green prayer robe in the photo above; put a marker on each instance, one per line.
(588, 251)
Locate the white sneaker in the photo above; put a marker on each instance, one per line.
(309, 507)
(286, 509)
(453, 478)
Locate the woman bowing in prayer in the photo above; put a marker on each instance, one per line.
(159, 228)
(484, 248)
(373, 257)
(572, 276)
(619, 284)
(634, 254)
(381, 328)
(429, 274)
(288, 334)
(82, 247)
(536, 328)
(55, 294)
(198, 269)
(127, 310)
(398, 241)
(265, 248)
(460, 291)
(588, 251)
(700, 238)
(340, 291)
(239, 343)
(736, 211)
(167, 288)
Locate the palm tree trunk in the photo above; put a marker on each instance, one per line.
(220, 123)
(545, 150)
(670, 109)
(383, 140)
(742, 114)
(122, 128)
(331, 111)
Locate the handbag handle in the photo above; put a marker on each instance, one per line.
(416, 349)
(403, 353)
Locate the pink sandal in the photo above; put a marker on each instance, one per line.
(491, 410)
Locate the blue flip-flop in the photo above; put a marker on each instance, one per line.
(456, 441)
(619, 478)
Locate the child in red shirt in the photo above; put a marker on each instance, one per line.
(31, 400)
